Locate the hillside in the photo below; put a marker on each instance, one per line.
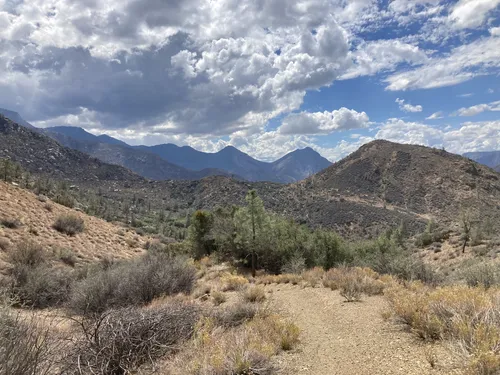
(375, 188)
(488, 158)
(42, 155)
(100, 239)
(416, 178)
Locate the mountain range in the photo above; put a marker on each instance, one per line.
(169, 161)
(377, 187)
(489, 158)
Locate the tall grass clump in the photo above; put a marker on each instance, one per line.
(468, 317)
(69, 224)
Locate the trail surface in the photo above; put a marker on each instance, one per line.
(339, 338)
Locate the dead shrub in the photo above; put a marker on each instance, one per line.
(254, 294)
(26, 346)
(120, 341)
(28, 253)
(313, 276)
(232, 282)
(353, 282)
(69, 224)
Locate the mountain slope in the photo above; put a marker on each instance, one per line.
(42, 155)
(16, 117)
(299, 164)
(143, 163)
(488, 158)
(416, 178)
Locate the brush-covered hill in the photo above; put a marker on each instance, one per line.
(375, 188)
(34, 218)
(417, 178)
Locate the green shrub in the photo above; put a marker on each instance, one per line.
(69, 224)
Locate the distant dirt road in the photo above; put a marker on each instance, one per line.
(341, 338)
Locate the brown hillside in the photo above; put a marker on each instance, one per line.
(100, 239)
(420, 179)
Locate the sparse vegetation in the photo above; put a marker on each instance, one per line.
(132, 283)
(10, 223)
(69, 224)
(254, 293)
(120, 341)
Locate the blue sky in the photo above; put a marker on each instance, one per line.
(265, 76)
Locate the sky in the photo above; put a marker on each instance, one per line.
(265, 76)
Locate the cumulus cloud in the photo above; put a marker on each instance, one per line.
(324, 122)
(479, 136)
(472, 13)
(436, 116)
(406, 107)
(479, 108)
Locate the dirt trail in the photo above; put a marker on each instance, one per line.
(349, 338)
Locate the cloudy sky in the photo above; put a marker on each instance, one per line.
(267, 76)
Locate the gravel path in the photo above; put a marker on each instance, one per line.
(349, 338)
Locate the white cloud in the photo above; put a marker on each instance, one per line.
(460, 65)
(405, 107)
(471, 13)
(495, 31)
(479, 108)
(436, 116)
(491, 91)
(324, 122)
(467, 95)
(479, 136)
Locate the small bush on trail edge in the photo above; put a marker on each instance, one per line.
(254, 293)
(69, 224)
(120, 341)
(135, 282)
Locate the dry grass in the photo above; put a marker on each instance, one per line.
(355, 282)
(246, 349)
(69, 224)
(468, 317)
(218, 297)
(232, 282)
(313, 276)
(99, 237)
(254, 293)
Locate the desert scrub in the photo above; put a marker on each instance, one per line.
(135, 282)
(467, 317)
(246, 349)
(254, 293)
(218, 298)
(232, 282)
(27, 346)
(313, 276)
(69, 224)
(120, 341)
(353, 283)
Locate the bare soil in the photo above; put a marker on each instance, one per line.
(351, 338)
